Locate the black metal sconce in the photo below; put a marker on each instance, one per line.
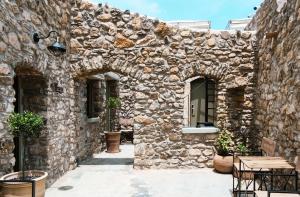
(56, 48)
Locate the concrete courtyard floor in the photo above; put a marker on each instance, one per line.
(112, 175)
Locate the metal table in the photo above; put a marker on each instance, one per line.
(258, 164)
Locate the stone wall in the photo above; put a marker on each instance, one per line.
(20, 20)
(57, 150)
(160, 59)
(7, 160)
(278, 83)
(154, 60)
(126, 87)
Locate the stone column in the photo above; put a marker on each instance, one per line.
(7, 97)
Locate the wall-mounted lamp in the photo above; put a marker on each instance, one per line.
(56, 48)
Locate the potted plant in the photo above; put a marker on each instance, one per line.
(241, 149)
(113, 136)
(223, 160)
(24, 125)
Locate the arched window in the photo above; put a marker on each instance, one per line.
(200, 100)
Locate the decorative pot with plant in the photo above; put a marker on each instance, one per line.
(24, 125)
(223, 160)
(113, 136)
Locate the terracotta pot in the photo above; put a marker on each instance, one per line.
(24, 189)
(113, 142)
(223, 164)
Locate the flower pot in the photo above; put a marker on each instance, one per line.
(113, 142)
(223, 164)
(24, 189)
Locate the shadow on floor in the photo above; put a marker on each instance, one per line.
(107, 161)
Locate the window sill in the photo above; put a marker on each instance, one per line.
(93, 120)
(200, 130)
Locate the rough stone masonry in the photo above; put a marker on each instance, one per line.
(159, 59)
(278, 78)
(154, 60)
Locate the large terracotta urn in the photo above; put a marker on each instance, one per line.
(24, 189)
(223, 164)
(113, 142)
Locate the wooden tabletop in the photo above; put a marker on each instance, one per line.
(264, 162)
(265, 194)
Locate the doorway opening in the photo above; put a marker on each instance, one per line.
(30, 95)
(94, 92)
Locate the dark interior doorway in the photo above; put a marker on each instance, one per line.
(30, 95)
(17, 152)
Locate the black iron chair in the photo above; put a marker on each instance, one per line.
(267, 148)
(282, 185)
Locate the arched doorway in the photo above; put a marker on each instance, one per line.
(30, 95)
(93, 117)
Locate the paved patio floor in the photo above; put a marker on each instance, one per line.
(112, 175)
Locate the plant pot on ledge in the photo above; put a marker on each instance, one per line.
(113, 141)
(24, 189)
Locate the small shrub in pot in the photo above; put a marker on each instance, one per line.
(25, 125)
(223, 160)
(113, 136)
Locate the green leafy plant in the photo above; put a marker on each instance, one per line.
(241, 148)
(113, 104)
(25, 125)
(224, 143)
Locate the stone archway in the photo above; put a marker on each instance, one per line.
(90, 131)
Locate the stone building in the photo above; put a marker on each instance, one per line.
(154, 63)
(194, 25)
(278, 77)
(238, 24)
